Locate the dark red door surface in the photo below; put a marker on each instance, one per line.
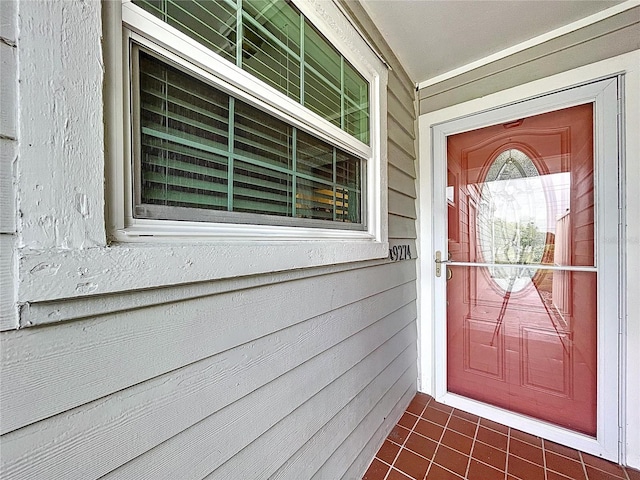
(522, 317)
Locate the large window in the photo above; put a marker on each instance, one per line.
(245, 113)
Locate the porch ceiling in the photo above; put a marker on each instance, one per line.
(432, 37)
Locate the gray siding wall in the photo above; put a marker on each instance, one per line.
(8, 137)
(604, 39)
(402, 157)
(294, 375)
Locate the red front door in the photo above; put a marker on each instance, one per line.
(521, 310)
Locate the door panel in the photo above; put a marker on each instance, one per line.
(522, 298)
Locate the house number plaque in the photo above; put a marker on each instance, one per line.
(400, 252)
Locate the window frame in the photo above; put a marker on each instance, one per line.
(136, 25)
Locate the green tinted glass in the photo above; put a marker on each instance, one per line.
(203, 149)
(278, 45)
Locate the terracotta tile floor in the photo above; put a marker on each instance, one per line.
(435, 442)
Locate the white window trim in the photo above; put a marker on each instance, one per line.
(131, 22)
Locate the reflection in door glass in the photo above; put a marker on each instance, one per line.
(518, 214)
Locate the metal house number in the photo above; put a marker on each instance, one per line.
(400, 252)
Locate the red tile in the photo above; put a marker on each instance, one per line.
(376, 471)
(633, 474)
(416, 406)
(489, 455)
(457, 441)
(565, 466)
(411, 464)
(498, 427)
(526, 451)
(398, 434)
(467, 416)
(556, 476)
(388, 452)
(462, 426)
(525, 437)
(435, 415)
(441, 406)
(397, 475)
(523, 469)
(561, 450)
(480, 471)
(429, 429)
(408, 420)
(451, 460)
(603, 465)
(595, 474)
(423, 397)
(492, 438)
(421, 445)
(438, 473)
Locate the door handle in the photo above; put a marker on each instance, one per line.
(439, 263)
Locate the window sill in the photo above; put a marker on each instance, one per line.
(181, 232)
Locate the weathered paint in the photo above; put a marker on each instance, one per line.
(61, 147)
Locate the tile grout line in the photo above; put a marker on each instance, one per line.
(584, 467)
(544, 459)
(473, 444)
(405, 440)
(433, 458)
(506, 464)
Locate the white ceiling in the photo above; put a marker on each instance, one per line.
(432, 37)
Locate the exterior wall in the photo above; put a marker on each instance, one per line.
(603, 49)
(8, 143)
(292, 374)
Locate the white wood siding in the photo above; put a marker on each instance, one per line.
(293, 375)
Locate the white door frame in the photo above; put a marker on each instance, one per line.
(604, 94)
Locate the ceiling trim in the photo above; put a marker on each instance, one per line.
(545, 37)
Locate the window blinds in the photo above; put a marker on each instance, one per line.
(203, 149)
(272, 40)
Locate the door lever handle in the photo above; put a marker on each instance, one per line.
(439, 262)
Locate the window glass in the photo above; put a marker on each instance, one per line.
(201, 148)
(280, 47)
(211, 23)
(271, 44)
(184, 137)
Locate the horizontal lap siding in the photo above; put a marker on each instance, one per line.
(298, 375)
(349, 453)
(212, 407)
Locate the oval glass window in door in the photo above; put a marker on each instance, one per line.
(511, 222)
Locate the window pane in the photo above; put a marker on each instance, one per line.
(211, 23)
(261, 190)
(348, 188)
(314, 200)
(261, 137)
(272, 50)
(356, 92)
(271, 44)
(192, 157)
(314, 157)
(184, 126)
(322, 81)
